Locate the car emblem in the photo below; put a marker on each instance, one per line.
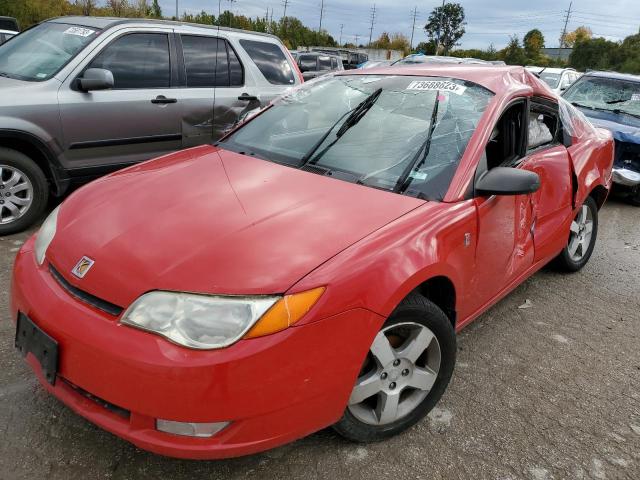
(82, 267)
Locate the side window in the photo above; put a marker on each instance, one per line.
(506, 144)
(208, 63)
(137, 60)
(308, 63)
(270, 60)
(334, 63)
(543, 125)
(324, 63)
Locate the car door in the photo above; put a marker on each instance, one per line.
(548, 157)
(211, 74)
(504, 245)
(136, 120)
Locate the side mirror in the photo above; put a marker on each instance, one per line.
(507, 181)
(96, 79)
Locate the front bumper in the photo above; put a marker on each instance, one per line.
(273, 389)
(626, 177)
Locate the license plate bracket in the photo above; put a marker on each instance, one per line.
(32, 339)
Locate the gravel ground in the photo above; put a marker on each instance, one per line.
(548, 391)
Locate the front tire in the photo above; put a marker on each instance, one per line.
(582, 238)
(406, 371)
(23, 191)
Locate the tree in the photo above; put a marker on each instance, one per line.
(597, 53)
(446, 25)
(580, 34)
(86, 6)
(400, 42)
(382, 42)
(513, 53)
(119, 8)
(533, 43)
(156, 10)
(428, 48)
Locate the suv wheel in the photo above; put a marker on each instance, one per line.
(23, 191)
(404, 375)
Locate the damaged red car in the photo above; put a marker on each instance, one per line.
(312, 268)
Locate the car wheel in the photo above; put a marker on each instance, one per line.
(582, 238)
(407, 369)
(23, 191)
(634, 198)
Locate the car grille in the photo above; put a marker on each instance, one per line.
(85, 297)
(628, 156)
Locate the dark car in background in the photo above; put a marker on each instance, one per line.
(84, 96)
(316, 64)
(612, 101)
(8, 28)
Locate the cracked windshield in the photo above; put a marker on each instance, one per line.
(607, 94)
(397, 133)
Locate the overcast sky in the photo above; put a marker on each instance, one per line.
(488, 21)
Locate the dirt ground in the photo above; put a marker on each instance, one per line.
(549, 391)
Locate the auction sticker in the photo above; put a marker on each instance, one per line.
(79, 31)
(635, 97)
(437, 85)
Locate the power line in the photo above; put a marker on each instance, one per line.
(413, 27)
(373, 21)
(563, 41)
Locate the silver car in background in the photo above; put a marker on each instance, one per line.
(83, 96)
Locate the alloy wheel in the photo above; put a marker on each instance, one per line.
(401, 368)
(16, 194)
(581, 234)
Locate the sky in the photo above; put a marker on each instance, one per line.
(488, 21)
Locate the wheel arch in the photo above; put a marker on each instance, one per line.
(599, 193)
(37, 151)
(440, 290)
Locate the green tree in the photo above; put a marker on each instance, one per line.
(513, 53)
(428, 48)
(533, 43)
(446, 25)
(597, 53)
(156, 10)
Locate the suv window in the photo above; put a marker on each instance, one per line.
(137, 60)
(324, 63)
(209, 62)
(308, 62)
(270, 60)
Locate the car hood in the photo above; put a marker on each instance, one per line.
(624, 128)
(212, 221)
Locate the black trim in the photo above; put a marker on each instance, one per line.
(85, 297)
(171, 137)
(121, 412)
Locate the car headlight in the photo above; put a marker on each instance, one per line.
(210, 321)
(45, 235)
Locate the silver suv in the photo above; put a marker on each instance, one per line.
(83, 96)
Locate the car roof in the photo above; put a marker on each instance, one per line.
(109, 22)
(10, 32)
(616, 75)
(496, 78)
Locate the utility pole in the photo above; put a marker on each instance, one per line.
(357, 37)
(177, 10)
(439, 27)
(231, 2)
(284, 4)
(563, 42)
(373, 21)
(413, 28)
(341, 27)
(321, 14)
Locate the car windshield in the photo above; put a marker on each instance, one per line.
(610, 94)
(39, 53)
(551, 79)
(398, 133)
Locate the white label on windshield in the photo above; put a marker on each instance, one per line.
(635, 97)
(79, 31)
(435, 85)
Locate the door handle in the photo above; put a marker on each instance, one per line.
(161, 99)
(248, 98)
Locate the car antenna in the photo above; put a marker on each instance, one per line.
(540, 72)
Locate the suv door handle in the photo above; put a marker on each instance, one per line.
(162, 99)
(248, 98)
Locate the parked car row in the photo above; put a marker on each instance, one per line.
(558, 79)
(83, 96)
(9, 28)
(315, 64)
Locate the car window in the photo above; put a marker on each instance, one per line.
(308, 62)
(506, 143)
(542, 127)
(324, 63)
(607, 94)
(334, 63)
(210, 62)
(270, 60)
(409, 141)
(137, 60)
(551, 79)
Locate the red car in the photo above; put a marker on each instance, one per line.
(312, 268)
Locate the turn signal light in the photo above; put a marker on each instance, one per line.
(285, 312)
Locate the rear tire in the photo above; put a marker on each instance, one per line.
(419, 363)
(582, 238)
(23, 191)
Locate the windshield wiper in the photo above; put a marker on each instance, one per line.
(620, 100)
(582, 105)
(418, 160)
(354, 117)
(619, 111)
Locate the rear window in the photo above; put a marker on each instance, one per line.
(210, 62)
(270, 60)
(325, 63)
(308, 62)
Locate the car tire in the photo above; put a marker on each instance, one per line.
(23, 191)
(634, 197)
(417, 318)
(572, 260)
